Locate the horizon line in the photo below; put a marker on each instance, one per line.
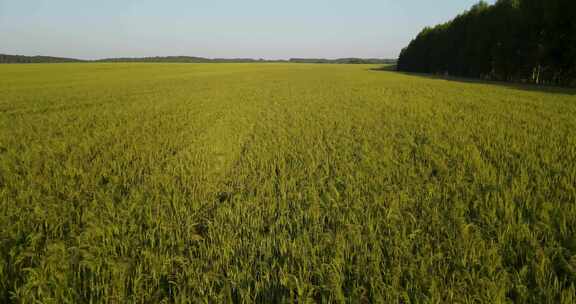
(200, 57)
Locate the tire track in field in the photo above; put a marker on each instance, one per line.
(230, 154)
(226, 188)
(194, 175)
(236, 171)
(164, 209)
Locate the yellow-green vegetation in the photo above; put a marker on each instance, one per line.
(150, 183)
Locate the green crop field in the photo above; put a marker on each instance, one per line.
(162, 183)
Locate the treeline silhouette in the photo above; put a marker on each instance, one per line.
(530, 41)
(180, 59)
(34, 59)
(189, 59)
(344, 60)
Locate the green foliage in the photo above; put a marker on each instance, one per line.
(179, 59)
(513, 40)
(194, 183)
(34, 59)
(344, 60)
(189, 59)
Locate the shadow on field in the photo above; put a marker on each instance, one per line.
(389, 68)
(512, 85)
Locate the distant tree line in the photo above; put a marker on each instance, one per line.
(344, 60)
(180, 59)
(512, 40)
(188, 59)
(34, 59)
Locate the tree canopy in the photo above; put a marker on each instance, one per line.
(512, 40)
(34, 59)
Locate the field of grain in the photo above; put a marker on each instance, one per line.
(162, 183)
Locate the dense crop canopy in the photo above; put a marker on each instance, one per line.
(281, 182)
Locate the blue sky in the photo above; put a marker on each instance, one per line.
(217, 28)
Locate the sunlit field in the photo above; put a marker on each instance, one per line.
(192, 183)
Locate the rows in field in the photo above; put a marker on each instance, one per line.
(279, 181)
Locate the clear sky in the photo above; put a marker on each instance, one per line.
(269, 29)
